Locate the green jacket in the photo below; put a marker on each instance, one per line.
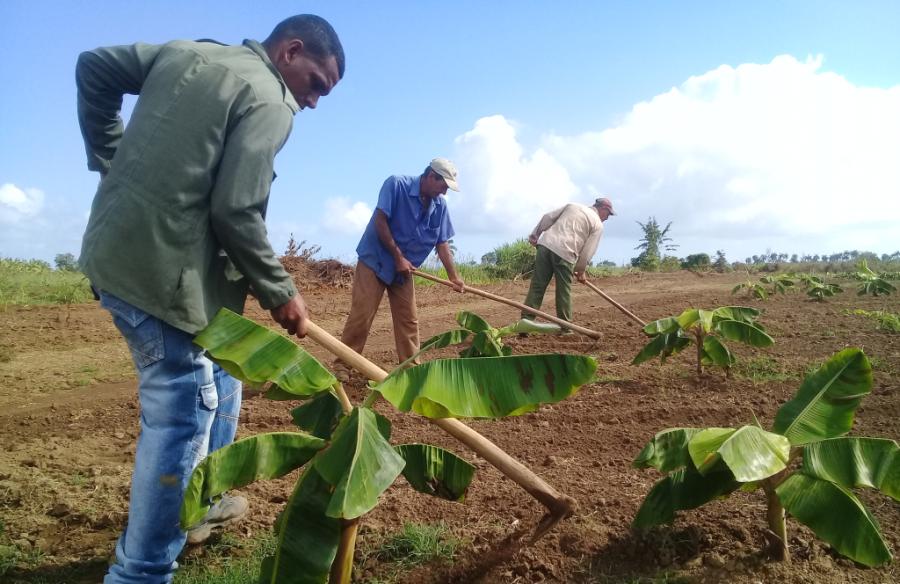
(177, 225)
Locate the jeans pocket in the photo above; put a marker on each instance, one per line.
(141, 331)
(209, 397)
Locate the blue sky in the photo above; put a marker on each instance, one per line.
(750, 126)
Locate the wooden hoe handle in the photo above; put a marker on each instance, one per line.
(559, 505)
(585, 331)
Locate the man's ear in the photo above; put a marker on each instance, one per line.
(293, 49)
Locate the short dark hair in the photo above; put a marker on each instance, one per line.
(317, 35)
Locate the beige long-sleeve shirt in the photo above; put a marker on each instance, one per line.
(572, 232)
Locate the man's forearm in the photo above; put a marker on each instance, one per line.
(446, 257)
(383, 230)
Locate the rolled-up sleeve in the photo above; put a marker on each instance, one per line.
(103, 76)
(240, 197)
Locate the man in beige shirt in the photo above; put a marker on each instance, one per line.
(566, 240)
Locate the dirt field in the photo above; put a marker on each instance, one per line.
(69, 418)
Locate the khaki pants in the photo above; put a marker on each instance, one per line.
(547, 265)
(367, 293)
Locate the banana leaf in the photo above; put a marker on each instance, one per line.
(359, 463)
(435, 471)
(687, 318)
(484, 344)
(683, 489)
(264, 456)
(664, 344)
(663, 325)
(826, 402)
(318, 416)
(835, 514)
(667, 451)
(256, 355)
(736, 330)
(307, 538)
(486, 387)
(739, 313)
(716, 353)
(453, 337)
(472, 322)
(856, 462)
(525, 325)
(752, 454)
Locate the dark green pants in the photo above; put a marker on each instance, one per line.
(546, 265)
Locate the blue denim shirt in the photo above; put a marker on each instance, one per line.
(416, 230)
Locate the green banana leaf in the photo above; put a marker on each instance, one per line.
(835, 515)
(750, 334)
(739, 313)
(716, 353)
(525, 325)
(665, 345)
(826, 402)
(452, 337)
(256, 355)
(264, 456)
(472, 322)
(435, 471)
(687, 318)
(486, 387)
(484, 344)
(307, 538)
(360, 463)
(683, 489)
(663, 325)
(856, 462)
(752, 454)
(667, 451)
(318, 416)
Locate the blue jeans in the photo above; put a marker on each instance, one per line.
(189, 407)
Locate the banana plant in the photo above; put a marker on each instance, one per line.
(780, 283)
(872, 283)
(705, 464)
(673, 334)
(753, 289)
(486, 341)
(817, 288)
(344, 452)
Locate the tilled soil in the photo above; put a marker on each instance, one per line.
(69, 419)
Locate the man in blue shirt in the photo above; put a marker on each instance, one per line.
(410, 220)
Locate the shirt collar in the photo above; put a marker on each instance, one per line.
(414, 192)
(261, 53)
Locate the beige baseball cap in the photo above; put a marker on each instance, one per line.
(446, 169)
(604, 203)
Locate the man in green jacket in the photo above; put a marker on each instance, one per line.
(177, 232)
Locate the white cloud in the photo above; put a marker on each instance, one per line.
(17, 205)
(344, 217)
(503, 189)
(784, 154)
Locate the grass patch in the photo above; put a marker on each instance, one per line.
(760, 369)
(471, 275)
(415, 544)
(24, 283)
(229, 560)
(885, 321)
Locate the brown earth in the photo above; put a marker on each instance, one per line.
(69, 419)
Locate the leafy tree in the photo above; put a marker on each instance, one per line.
(653, 243)
(66, 262)
(721, 264)
(511, 261)
(696, 261)
(705, 464)
(345, 453)
(672, 334)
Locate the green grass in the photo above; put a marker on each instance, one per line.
(471, 275)
(418, 544)
(760, 369)
(33, 282)
(229, 560)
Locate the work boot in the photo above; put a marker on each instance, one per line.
(226, 510)
(341, 371)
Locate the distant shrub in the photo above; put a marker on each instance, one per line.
(511, 261)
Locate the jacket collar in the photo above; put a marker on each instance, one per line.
(261, 53)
